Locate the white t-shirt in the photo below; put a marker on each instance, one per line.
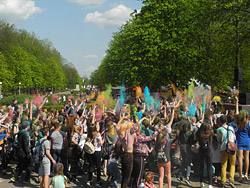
(222, 136)
(82, 140)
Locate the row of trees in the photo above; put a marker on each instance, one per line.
(178, 40)
(32, 62)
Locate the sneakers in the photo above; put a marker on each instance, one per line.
(246, 177)
(210, 186)
(180, 179)
(13, 179)
(99, 184)
(28, 181)
(202, 184)
(90, 183)
(241, 178)
(231, 183)
(187, 182)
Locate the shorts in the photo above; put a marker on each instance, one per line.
(44, 169)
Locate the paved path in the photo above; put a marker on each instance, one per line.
(4, 182)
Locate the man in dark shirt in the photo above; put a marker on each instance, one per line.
(23, 154)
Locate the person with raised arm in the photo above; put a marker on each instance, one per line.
(127, 135)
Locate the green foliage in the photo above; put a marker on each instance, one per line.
(9, 100)
(33, 62)
(179, 40)
(83, 90)
(57, 106)
(75, 93)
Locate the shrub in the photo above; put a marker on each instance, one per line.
(20, 99)
(58, 106)
(83, 90)
(75, 92)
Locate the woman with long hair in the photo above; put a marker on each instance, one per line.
(204, 137)
(76, 150)
(243, 143)
(163, 158)
(94, 135)
(127, 136)
(141, 152)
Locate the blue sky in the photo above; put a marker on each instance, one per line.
(79, 29)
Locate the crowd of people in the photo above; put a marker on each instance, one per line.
(125, 143)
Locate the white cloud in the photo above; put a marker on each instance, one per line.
(114, 17)
(90, 56)
(91, 68)
(88, 2)
(18, 10)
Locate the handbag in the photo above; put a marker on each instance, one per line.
(89, 147)
(231, 147)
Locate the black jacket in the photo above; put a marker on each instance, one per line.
(23, 143)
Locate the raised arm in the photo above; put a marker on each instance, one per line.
(79, 107)
(172, 118)
(151, 137)
(203, 116)
(44, 100)
(144, 107)
(27, 106)
(136, 126)
(83, 112)
(31, 110)
(237, 106)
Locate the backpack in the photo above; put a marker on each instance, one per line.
(89, 147)
(161, 155)
(38, 155)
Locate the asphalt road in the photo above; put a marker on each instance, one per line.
(4, 182)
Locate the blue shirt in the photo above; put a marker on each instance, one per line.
(242, 136)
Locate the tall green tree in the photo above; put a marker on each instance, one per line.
(180, 40)
(32, 62)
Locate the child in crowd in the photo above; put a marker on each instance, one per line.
(148, 182)
(59, 180)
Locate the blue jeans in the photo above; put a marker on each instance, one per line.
(62, 155)
(186, 156)
(114, 171)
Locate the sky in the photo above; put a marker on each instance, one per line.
(79, 29)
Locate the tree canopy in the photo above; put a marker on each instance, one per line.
(32, 62)
(179, 40)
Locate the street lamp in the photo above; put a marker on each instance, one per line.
(19, 87)
(1, 90)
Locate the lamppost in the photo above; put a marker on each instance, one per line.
(36, 89)
(19, 87)
(1, 90)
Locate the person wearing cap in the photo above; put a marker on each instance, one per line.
(23, 153)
